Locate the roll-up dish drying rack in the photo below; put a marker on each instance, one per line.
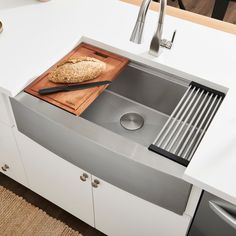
(186, 126)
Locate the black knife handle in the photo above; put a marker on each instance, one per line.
(72, 87)
(46, 91)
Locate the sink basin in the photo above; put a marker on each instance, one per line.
(140, 92)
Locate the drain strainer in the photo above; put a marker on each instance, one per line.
(131, 121)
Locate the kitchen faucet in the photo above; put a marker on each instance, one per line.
(136, 35)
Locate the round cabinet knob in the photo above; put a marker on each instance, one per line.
(95, 183)
(83, 177)
(5, 167)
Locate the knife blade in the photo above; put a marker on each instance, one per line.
(73, 87)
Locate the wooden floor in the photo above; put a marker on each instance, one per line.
(205, 7)
(48, 207)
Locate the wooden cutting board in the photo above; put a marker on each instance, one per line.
(77, 101)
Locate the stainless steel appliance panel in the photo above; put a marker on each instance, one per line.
(214, 217)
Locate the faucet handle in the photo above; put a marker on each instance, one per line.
(166, 43)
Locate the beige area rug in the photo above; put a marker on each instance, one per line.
(18, 217)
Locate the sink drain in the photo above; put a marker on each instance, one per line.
(131, 121)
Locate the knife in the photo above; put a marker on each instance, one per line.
(72, 87)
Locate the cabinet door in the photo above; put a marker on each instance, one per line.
(57, 180)
(10, 161)
(119, 213)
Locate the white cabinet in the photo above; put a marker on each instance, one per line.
(118, 213)
(100, 204)
(6, 116)
(10, 161)
(57, 180)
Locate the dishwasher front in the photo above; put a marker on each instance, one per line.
(214, 217)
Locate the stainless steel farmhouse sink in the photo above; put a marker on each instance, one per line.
(139, 92)
(143, 116)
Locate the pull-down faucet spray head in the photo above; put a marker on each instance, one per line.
(136, 35)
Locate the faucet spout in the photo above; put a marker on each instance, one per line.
(137, 32)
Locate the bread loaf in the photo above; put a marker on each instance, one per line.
(77, 70)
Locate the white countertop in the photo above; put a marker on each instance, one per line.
(36, 35)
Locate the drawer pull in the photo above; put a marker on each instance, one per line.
(5, 167)
(84, 177)
(95, 183)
